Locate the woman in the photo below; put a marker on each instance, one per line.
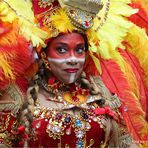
(72, 104)
(67, 98)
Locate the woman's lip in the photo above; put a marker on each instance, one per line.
(71, 70)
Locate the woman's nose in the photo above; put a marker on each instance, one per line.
(72, 61)
(72, 53)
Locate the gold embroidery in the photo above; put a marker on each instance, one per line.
(8, 138)
(60, 143)
(6, 127)
(4, 123)
(17, 98)
(59, 124)
(3, 135)
(55, 129)
(45, 3)
(91, 143)
(67, 146)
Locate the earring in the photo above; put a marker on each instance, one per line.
(45, 61)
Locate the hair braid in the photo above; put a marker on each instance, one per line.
(93, 88)
(27, 109)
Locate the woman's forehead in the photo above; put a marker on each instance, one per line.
(70, 37)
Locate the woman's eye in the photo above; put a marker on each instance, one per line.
(80, 50)
(61, 50)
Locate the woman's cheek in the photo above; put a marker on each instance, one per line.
(55, 66)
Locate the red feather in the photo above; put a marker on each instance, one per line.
(116, 82)
(140, 18)
(139, 73)
(18, 54)
(90, 67)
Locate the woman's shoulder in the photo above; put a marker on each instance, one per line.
(13, 96)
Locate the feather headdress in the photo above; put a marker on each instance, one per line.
(15, 54)
(19, 31)
(118, 42)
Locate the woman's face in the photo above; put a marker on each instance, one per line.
(66, 56)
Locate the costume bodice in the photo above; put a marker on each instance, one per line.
(73, 123)
(56, 128)
(69, 120)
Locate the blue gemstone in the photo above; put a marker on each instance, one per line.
(78, 123)
(80, 144)
(67, 119)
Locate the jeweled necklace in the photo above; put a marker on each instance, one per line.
(65, 93)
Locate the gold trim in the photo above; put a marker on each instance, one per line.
(17, 99)
(4, 123)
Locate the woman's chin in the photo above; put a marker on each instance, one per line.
(68, 81)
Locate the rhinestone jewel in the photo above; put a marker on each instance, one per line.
(125, 108)
(95, 119)
(79, 134)
(56, 129)
(42, 115)
(88, 126)
(68, 131)
(49, 127)
(38, 125)
(36, 112)
(46, 120)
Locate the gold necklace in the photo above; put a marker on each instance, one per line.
(67, 94)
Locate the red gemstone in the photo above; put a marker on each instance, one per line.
(86, 92)
(51, 80)
(75, 99)
(86, 24)
(80, 91)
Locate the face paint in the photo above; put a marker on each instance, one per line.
(66, 56)
(71, 59)
(69, 68)
(72, 78)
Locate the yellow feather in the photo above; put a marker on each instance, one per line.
(6, 14)
(128, 72)
(138, 41)
(22, 8)
(10, 37)
(22, 12)
(61, 21)
(113, 32)
(96, 62)
(5, 67)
